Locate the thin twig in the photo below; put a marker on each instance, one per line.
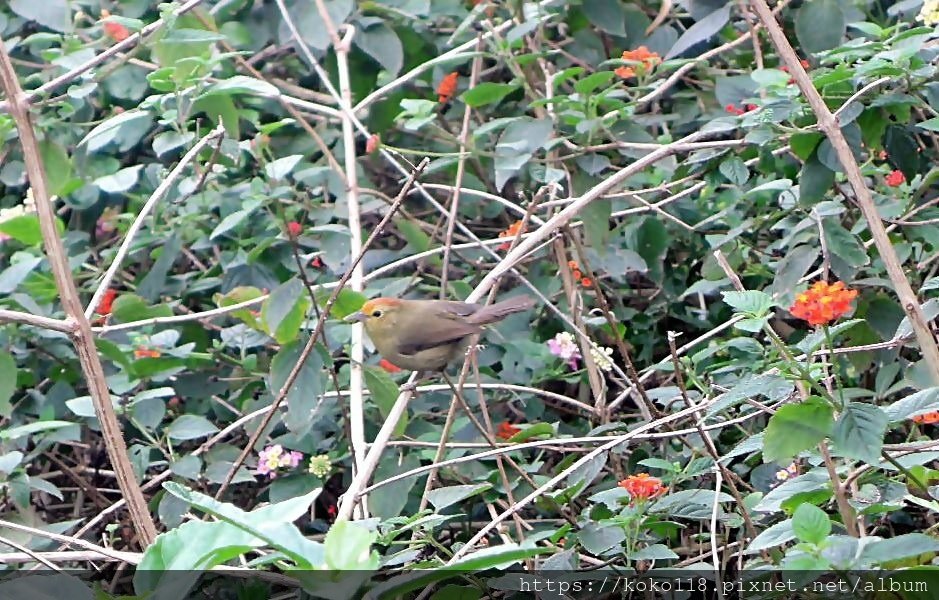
(82, 336)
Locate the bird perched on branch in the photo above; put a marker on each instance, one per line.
(426, 335)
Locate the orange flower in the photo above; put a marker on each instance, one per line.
(387, 366)
(294, 229)
(142, 352)
(928, 418)
(586, 282)
(507, 430)
(822, 303)
(374, 141)
(646, 59)
(895, 178)
(113, 29)
(107, 302)
(513, 230)
(447, 87)
(643, 486)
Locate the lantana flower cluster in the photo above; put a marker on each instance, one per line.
(823, 303)
(643, 486)
(274, 458)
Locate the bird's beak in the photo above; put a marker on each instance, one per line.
(356, 317)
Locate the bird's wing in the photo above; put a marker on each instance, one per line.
(423, 339)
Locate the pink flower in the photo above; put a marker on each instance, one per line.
(273, 458)
(565, 347)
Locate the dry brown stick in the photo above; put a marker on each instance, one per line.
(647, 407)
(828, 124)
(80, 334)
(320, 323)
(460, 170)
(15, 316)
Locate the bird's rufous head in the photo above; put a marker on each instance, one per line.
(375, 310)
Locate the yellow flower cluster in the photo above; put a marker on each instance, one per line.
(929, 14)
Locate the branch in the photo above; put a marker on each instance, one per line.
(311, 343)
(155, 197)
(828, 124)
(82, 336)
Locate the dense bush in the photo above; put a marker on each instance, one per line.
(731, 363)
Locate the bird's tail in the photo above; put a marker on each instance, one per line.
(500, 310)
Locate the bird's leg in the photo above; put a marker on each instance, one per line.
(411, 386)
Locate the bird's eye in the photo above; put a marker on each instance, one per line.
(376, 313)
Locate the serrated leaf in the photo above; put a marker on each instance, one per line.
(751, 302)
(796, 427)
(447, 496)
(859, 432)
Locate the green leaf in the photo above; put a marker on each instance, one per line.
(591, 82)
(15, 274)
(382, 43)
(280, 168)
(487, 92)
(518, 144)
(284, 310)
(929, 124)
(814, 480)
(347, 302)
(919, 403)
(734, 169)
(109, 130)
(811, 524)
(859, 432)
(447, 496)
(606, 15)
(23, 228)
(751, 302)
(897, 548)
(803, 144)
(384, 392)
(7, 382)
(241, 84)
(820, 25)
(702, 30)
(190, 427)
(815, 180)
(14, 433)
(131, 307)
(54, 14)
(302, 398)
(238, 295)
(348, 547)
(844, 246)
(58, 166)
(488, 558)
(796, 427)
(272, 523)
(773, 536)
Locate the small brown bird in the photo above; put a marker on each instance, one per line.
(425, 335)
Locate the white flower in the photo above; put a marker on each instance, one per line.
(602, 358)
(929, 13)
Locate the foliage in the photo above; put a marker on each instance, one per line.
(646, 172)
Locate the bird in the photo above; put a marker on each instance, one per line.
(426, 335)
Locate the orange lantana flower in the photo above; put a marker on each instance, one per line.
(643, 486)
(928, 418)
(823, 303)
(513, 230)
(142, 352)
(447, 87)
(507, 430)
(895, 178)
(107, 301)
(113, 29)
(646, 59)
